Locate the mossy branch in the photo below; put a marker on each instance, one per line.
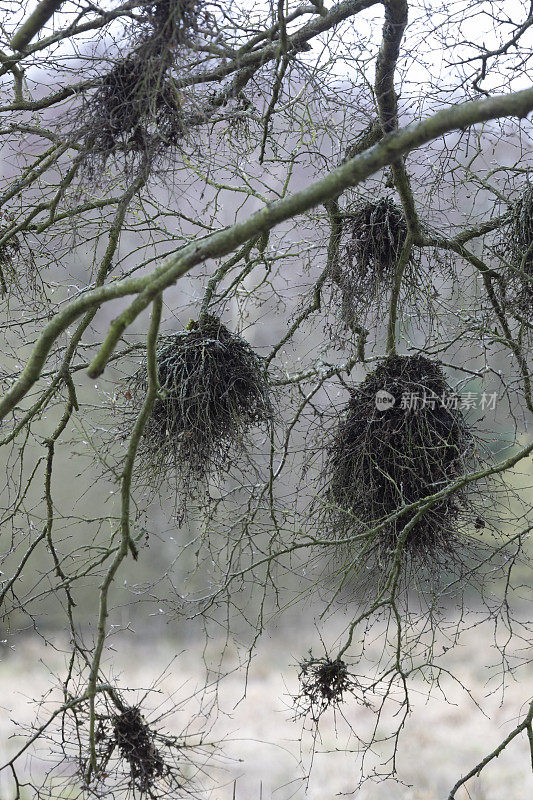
(525, 725)
(126, 542)
(395, 292)
(395, 22)
(138, 429)
(35, 22)
(351, 173)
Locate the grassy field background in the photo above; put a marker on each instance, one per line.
(264, 754)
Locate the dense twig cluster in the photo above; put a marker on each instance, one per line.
(323, 684)
(373, 234)
(137, 106)
(134, 758)
(376, 233)
(363, 266)
(131, 736)
(173, 22)
(521, 250)
(8, 251)
(401, 439)
(213, 388)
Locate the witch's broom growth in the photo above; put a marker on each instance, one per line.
(371, 238)
(402, 438)
(133, 758)
(136, 107)
(213, 390)
(324, 683)
(520, 249)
